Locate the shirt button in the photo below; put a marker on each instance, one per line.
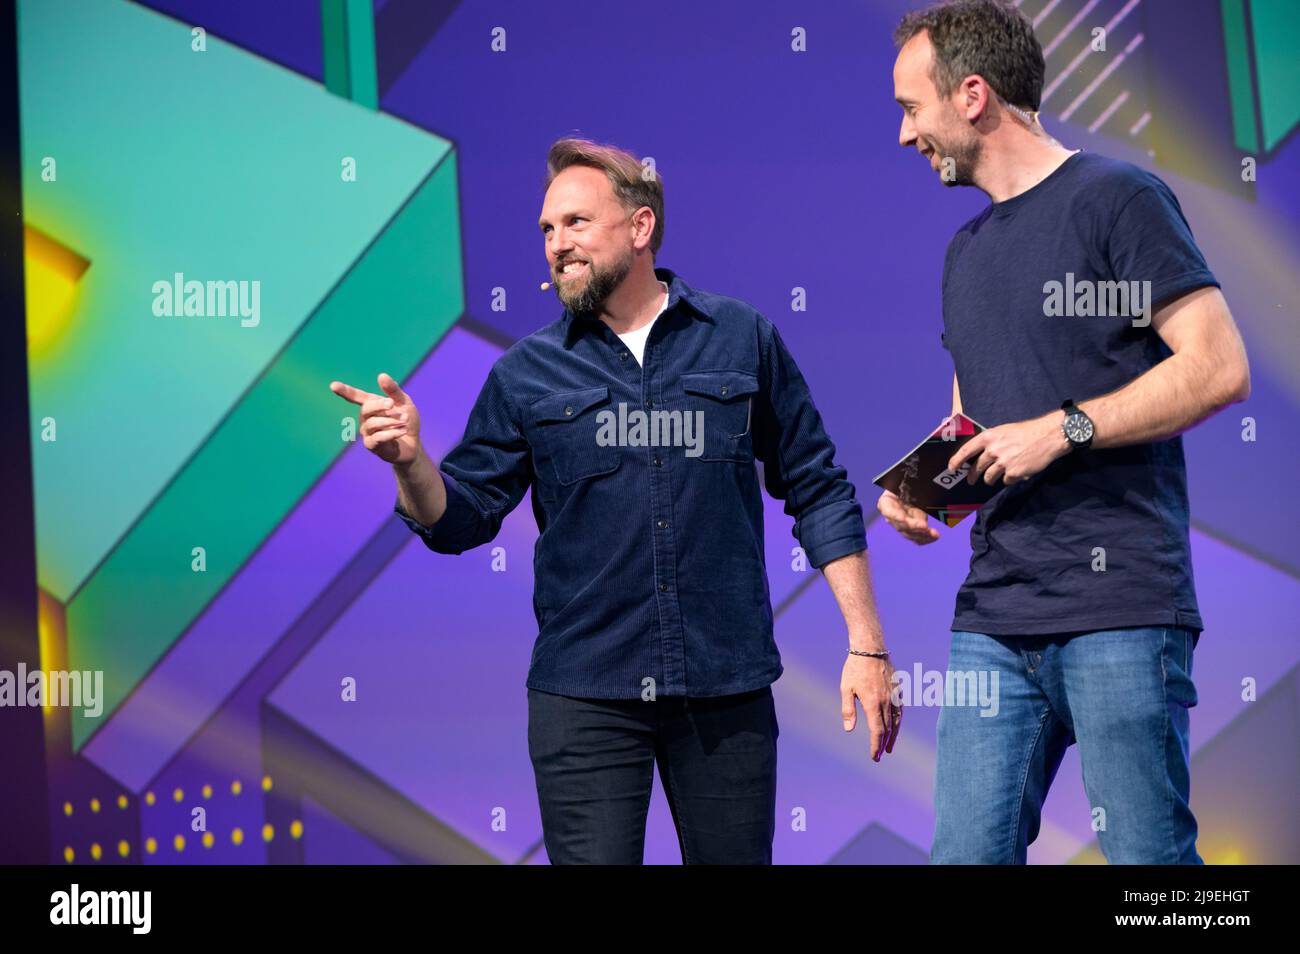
(568, 411)
(649, 403)
(663, 587)
(622, 356)
(657, 462)
(663, 524)
(724, 389)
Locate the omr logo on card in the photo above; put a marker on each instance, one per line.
(951, 478)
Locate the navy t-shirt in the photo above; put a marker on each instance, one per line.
(1099, 539)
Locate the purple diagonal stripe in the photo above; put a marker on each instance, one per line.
(286, 574)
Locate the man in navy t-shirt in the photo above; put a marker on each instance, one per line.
(1087, 334)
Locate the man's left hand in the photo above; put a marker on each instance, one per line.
(1013, 452)
(870, 681)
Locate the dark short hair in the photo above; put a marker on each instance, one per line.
(988, 37)
(633, 184)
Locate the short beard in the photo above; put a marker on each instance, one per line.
(965, 158)
(965, 154)
(600, 284)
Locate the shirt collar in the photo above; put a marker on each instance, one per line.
(678, 291)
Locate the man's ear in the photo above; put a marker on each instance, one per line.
(974, 94)
(643, 221)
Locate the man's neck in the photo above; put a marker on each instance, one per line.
(635, 303)
(1018, 164)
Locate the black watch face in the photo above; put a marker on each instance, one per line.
(1078, 428)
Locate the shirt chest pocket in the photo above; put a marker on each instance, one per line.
(566, 427)
(721, 404)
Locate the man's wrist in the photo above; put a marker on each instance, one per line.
(406, 469)
(867, 639)
(1055, 423)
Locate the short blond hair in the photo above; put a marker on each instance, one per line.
(633, 184)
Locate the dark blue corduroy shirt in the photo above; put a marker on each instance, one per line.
(649, 564)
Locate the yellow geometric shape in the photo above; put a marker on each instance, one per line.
(52, 272)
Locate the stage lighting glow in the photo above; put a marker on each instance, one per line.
(52, 272)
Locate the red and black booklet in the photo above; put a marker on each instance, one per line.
(922, 478)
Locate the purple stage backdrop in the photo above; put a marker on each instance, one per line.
(775, 132)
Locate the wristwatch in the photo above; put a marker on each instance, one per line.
(1077, 426)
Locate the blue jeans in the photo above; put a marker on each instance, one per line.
(1122, 694)
(594, 762)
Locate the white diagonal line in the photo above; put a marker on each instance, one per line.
(1083, 54)
(1140, 125)
(1101, 77)
(1109, 111)
(1045, 12)
(1074, 22)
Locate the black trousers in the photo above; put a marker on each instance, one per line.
(594, 762)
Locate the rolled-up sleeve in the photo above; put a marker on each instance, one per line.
(486, 475)
(799, 459)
